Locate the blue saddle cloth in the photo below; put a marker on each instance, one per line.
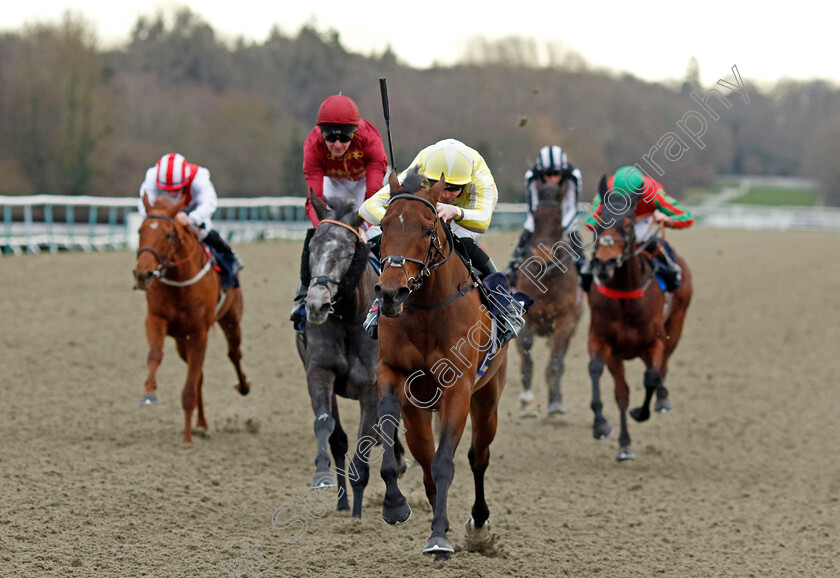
(224, 265)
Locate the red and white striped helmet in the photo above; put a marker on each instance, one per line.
(174, 172)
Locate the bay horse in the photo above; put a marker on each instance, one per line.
(434, 341)
(338, 355)
(629, 319)
(558, 300)
(184, 299)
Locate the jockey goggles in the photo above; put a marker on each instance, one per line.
(343, 135)
(448, 187)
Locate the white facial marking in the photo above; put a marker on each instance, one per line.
(154, 225)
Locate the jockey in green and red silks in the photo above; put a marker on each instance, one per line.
(653, 205)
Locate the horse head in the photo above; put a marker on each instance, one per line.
(615, 232)
(337, 257)
(160, 237)
(412, 239)
(548, 216)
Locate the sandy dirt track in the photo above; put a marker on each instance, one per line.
(743, 479)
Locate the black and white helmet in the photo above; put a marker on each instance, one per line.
(551, 159)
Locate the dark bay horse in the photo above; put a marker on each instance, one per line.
(339, 357)
(434, 337)
(548, 274)
(184, 297)
(630, 318)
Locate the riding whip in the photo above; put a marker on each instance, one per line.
(383, 87)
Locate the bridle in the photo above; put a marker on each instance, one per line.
(166, 261)
(435, 250)
(326, 281)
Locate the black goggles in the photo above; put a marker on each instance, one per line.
(448, 187)
(337, 135)
(553, 173)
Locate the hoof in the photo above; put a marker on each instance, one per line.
(556, 407)
(625, 454)
(323, 480)
(438, 545)
(601, 431)
(187, 444)
(148, 399)
(344, 506)
(397, 516)
(243, 389)
(662, 406)
(527, 404)
(475, 532)
(640, 413)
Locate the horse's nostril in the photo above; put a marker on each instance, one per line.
(378, 292)
(402, 294)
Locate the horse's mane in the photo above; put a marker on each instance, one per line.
(412, 183)
(341, 207)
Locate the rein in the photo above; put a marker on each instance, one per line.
(165, 263)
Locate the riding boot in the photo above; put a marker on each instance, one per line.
(215, 241)
(298, 315)
(375, 245)
(665, 265)
(510, 316)
(585, 272)
(518, 256)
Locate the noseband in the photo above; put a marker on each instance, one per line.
(435, 250)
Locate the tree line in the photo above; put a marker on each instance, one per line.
(75, 119)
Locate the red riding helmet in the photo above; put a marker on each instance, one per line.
(338, 109)
(174, 172)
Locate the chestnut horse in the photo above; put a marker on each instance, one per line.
(630, 318)
(434, 339)
(184, 297)
(338, 355)
(548, 274)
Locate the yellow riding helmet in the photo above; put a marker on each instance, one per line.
(451, 158)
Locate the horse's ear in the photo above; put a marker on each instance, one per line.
(393, 182)
(437, 188)
(356, 219)
(146, 202)
(317, 204)
(602, 186)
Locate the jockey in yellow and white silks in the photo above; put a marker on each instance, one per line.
(467, 203)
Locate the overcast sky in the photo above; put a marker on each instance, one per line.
(651, 39)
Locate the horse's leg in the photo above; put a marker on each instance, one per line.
(196, 348)
(338, 447)
(155, 334)
(484, 419)
(524, 343)
(360, 465)
(622, 398)
(395, 509)
(453, 419)
(421, 441)
(600, 428)
(230, 323)
(320, 383)
(653, 379)
(673, 329)
(563, 329)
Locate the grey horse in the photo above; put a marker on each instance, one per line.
(339, 357)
